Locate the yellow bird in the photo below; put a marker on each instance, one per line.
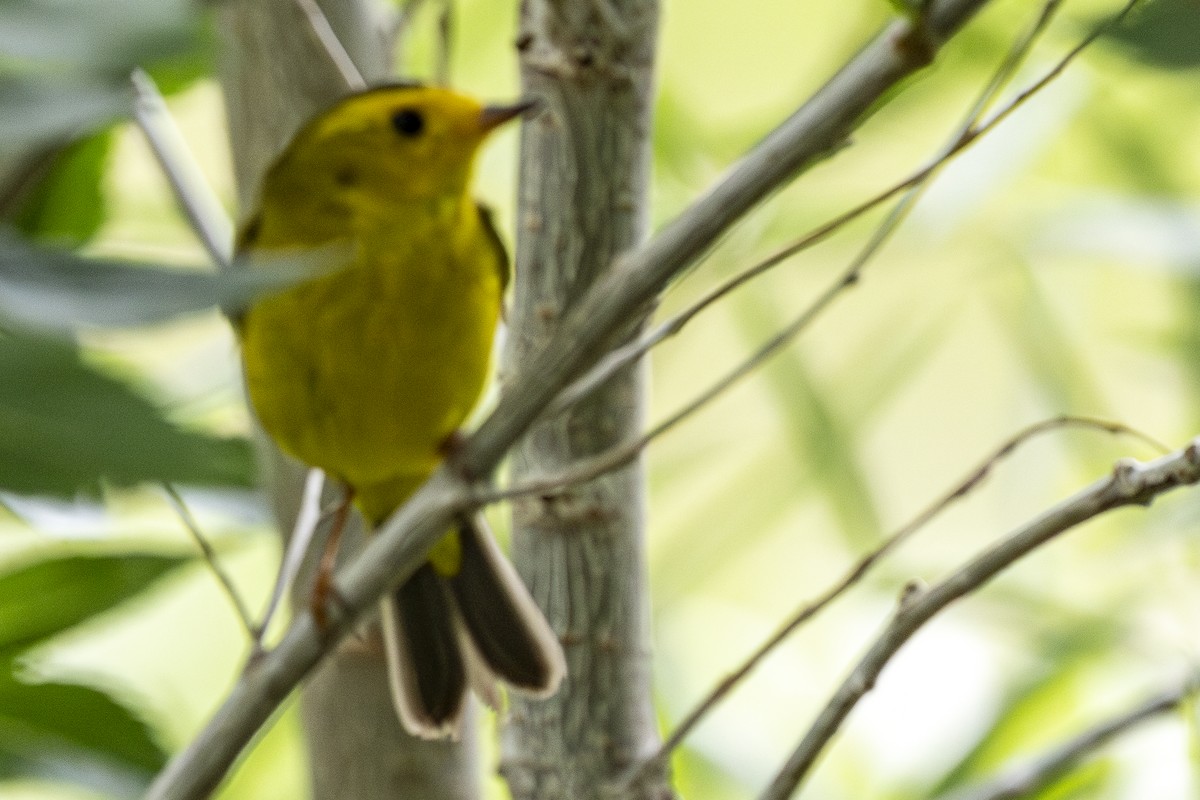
(368, 371)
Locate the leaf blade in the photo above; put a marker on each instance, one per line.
(77, 734)
(44, 598)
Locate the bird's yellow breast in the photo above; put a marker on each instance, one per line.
(366, 371)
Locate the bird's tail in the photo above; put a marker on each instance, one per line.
(464, 625)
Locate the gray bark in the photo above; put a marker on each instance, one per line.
(400, 546)
(276, 75)
(585, 162)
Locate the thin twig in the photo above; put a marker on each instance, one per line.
(445, 48)
(969, 133)
(1131, 483)
(195, 196)
(826, 725)
(210, 558)
(401, 544)
(308, 517)
(1029, 779)
(319, 23)
(637, 278)
(1057, 70)
(860, 570)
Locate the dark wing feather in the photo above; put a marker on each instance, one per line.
(429, 680)
(504, 623)
(497, 244)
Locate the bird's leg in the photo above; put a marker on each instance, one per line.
(450, 448)
(323, 588)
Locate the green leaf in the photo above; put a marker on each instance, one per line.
(1031, 718)
(1085, 781)
(909, 9)
(173, 75)
(110, 37)
(43, 599)
(65, 426)
(68, 205)
(65, 732)
(37, 110)
(51, 289)
(65, 64)
(1163, 34)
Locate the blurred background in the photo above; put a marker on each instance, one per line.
(1052, 269)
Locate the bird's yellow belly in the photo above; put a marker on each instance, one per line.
(365, 372)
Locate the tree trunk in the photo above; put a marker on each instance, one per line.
(583, 200)
(276, 75)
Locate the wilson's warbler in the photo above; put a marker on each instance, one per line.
(366, 372)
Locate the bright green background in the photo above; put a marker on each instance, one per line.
(1051, 270)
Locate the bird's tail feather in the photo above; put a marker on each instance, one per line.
(475, 627)
(425, 664)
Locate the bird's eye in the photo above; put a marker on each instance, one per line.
(408, 122)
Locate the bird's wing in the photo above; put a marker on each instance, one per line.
(497, 245)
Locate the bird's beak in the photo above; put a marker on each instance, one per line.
(493, 116)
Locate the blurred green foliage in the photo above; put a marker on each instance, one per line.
(52, 730)
(67, 424)
(1163, 34)
(67, 427)
(1052, 269)
(67, 205)
(53, 291)
(64, 65)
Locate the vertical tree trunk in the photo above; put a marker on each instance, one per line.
(583, 200)
(276, 75)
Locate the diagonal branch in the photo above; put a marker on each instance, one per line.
(195, 196)
(815, 129)
(1026, 780)
(298, 544)
(214, 563)
(971, 131)
(819, 126)
(318, 23)
(1131, 483)
(864, 565)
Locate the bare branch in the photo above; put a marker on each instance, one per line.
(1026, 780)
(969, 133)
(445, 49)
(308, 517)
(267, 681)
(402, 542)
(817, 128)
(859, 571)
(196, 198)
(584, 200)
(1131, 483)
(214, 564)
(319, 23)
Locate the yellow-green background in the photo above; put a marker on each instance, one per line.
(1051, 270)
